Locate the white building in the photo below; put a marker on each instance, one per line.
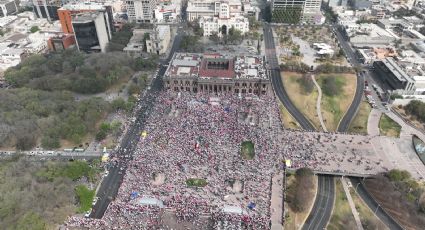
(141, 10)
(197, 9)
(8, 7)
(159, 40)
(167, 12)
(222, 25)
(9, 55)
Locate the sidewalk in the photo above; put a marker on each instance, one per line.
(373, 122)
(351, 203)
(277, 201)
(318, 103)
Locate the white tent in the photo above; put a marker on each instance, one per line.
(150, 201)
(233, 209)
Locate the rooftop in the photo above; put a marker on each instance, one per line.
(83, 6)
(214, 65)
(85, 17)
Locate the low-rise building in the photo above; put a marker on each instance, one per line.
(370, 36)
(215, 73)
(10, 55)
(61, 42)
(137, 43)
(402, 77)
(168, 11)
(221, 26)
(368, 56)
(159, 40)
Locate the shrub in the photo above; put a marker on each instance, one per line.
(331, 87)
(417, 109)
(398, 175)
(101, 135)
(306, 83)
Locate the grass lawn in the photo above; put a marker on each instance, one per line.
(359, 123)
(342, 217)
(306, 103)
(85, 198)
(247, 150)
(288, 121)
(367, 217)
(334, 107)
(388, 127)
(295, 220)
(196, 182)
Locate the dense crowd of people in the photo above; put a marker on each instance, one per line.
(199, 136)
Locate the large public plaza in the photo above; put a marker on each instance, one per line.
(189, 165)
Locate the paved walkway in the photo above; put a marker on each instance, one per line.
(399, 151)
(351, 203)
(319, 100)
(373, 122)
(277, 201)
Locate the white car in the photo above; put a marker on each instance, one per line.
(87, 214)
(95, 200)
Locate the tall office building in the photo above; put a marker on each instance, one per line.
(309, 9)
(48, 8)
(141, 10)
(92, 31)
(66, 12)
(8, 7)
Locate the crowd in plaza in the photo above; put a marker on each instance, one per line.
(199, 136)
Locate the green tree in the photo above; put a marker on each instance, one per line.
(253, 23)
(101, 135)
(121, 38)
(234, 36)
(31, 221)
(34, 29)
(118, 104)
(189, 43)
(214, 37)
(331, 87)
(25, 142)
(50, 142)
(398, 175)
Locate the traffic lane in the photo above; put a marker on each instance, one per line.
(373, 205)
(323, 205)
(352, 110)
(277, 81)
(330, 191)
(317, 206)
(284, 98)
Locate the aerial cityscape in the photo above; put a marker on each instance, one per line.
(212, 114)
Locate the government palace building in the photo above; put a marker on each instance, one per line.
(216, 73)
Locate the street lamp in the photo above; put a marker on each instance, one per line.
(377, 208)
(357, 186)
